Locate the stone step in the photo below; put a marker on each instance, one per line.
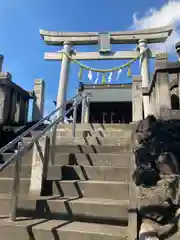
(6, 185)
(104, 173)
(9, 172)
(43, 229)
(97, 127)
(93, 189)
(26, 159)
(94, 210)
(85, 231)
(91, 149)
(93, 159)
(94, 133)
(80, 133)
(93, 141)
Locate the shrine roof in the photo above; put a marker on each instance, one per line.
(109, 92)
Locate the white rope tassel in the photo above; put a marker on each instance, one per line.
(119, 72)
(110, 77)
(90, 75)
(97, 77)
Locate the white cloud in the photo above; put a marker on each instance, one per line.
(166, 15)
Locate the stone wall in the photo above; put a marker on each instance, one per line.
(164, 89)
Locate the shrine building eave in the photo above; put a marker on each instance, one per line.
(152, 35)
(109, 92)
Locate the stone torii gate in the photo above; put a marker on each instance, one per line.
(67, 39)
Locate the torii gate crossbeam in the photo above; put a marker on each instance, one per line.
(154, 35)
(68, 39)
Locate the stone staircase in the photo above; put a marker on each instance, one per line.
(86, 193)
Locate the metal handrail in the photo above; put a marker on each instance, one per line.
(22, 149)
(25, 148)
(25, 133)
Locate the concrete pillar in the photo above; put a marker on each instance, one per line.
(13, 106)
(18, 108)
(5, 98)
(162, 85)
(40, 160)
(38, 103)
(153, 102)
(173, 79)
(145, 74)
(137, 113)
(86, 110)
(2, 104)
(174, 91)
(162, 79)
(23, 110)
(157, 98)
(83, 109)
(63, 82)
(26, 110)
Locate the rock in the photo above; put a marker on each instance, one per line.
(167, 164)
(145, 124)
(155, 202)
(145, 176)
(147, 231)
(157, 157)
(157, 138)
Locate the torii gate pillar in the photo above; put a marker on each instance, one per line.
(63, 82)
(145, 75)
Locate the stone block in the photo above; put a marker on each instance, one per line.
(137, 98)
(38, 103)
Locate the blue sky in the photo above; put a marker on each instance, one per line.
(20, 42)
